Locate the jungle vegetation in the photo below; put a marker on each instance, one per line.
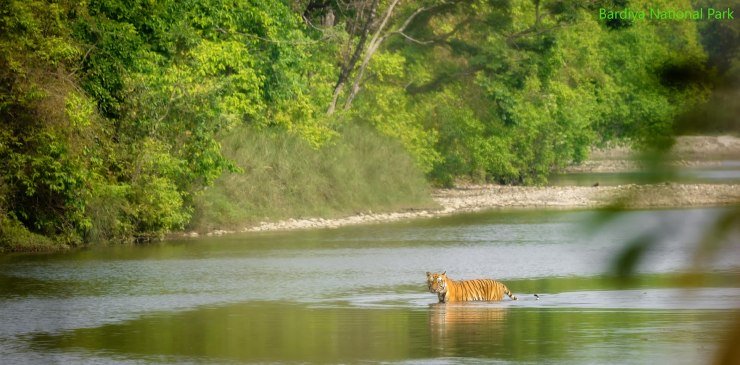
(122, 120)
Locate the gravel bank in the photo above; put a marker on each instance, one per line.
(485, 197)
(688, 151)
(633, 196)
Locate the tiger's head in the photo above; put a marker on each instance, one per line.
(437, 282)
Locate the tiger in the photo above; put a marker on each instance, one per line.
(449, 290)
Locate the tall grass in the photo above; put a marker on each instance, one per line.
(284, 177)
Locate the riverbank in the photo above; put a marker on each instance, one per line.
(689, 151)
(472, 198)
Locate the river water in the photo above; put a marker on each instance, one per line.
(358, 294)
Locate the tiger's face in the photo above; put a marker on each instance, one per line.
(436, 282)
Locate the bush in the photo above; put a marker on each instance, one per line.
(14, 237)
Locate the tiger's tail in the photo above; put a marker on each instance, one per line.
(509, 293)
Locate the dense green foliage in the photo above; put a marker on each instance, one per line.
(511, 90)
(114, 112)
(721, 41)
(110, 109)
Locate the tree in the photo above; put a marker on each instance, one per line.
(368, 24)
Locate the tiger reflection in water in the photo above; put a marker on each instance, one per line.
(449, 290)
(465, 329)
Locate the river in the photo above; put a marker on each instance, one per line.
(358, 294)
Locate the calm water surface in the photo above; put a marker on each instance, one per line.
(358, 294)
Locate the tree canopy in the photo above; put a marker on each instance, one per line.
(113, 111)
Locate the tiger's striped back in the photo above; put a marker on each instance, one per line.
(449, 290)
(477, 289)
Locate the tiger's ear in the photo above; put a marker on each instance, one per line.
(444, 273)
(429, 274)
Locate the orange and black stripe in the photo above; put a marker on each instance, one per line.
(450, 290)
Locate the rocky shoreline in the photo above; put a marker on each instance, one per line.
(690, 151)
(475, 198)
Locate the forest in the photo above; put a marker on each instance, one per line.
(121, 121)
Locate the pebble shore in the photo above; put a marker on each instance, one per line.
(689, 151)
(475, 198)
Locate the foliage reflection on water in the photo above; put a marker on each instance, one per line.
(270, 331)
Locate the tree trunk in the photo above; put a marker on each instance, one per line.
(366, 19)
(374, 44)
(377, 39)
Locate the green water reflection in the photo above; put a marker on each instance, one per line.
(269, 331)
